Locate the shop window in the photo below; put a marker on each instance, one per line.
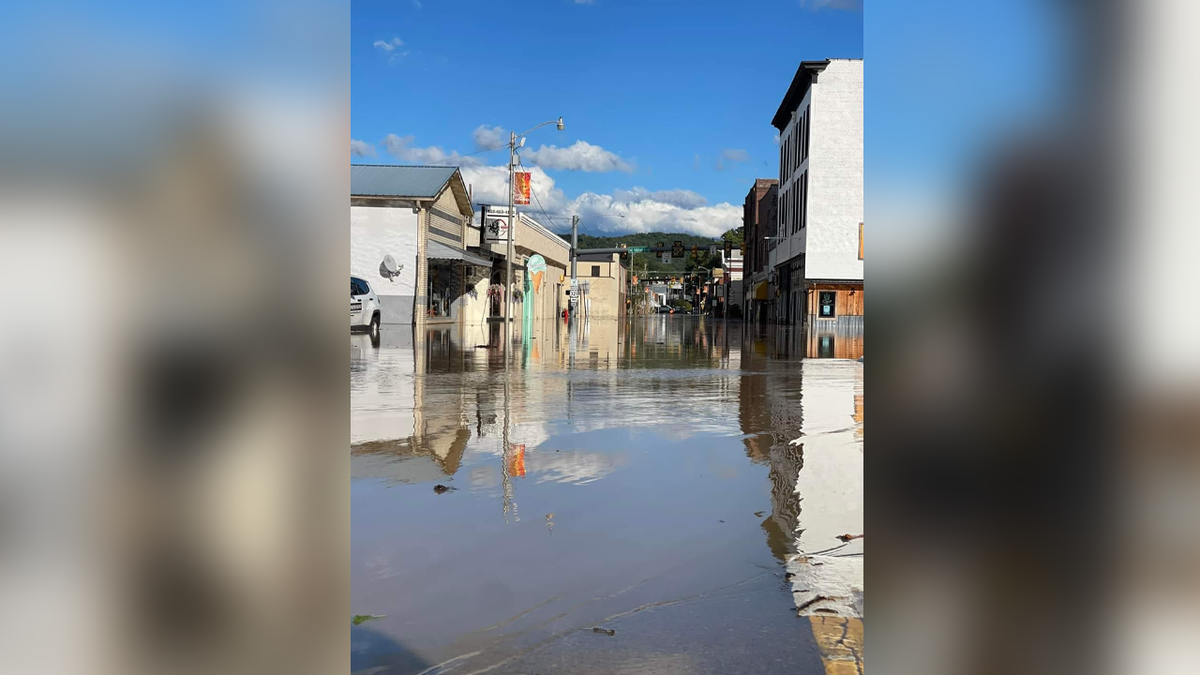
(827, 301)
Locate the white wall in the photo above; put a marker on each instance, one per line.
(835, 175)
(377, 231)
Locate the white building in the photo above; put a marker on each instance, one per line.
(731, 281)
(419, 215)
(818, 257)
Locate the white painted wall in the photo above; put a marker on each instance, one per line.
(835, 174)
(377, 231)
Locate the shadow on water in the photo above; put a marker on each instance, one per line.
(377, 652)
(668, 477)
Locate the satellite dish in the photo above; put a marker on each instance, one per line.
(388, 269)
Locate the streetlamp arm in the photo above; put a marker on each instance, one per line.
(527, 131)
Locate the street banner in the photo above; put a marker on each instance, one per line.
(495, 223)
(521, 187)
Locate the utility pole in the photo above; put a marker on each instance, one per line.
(574, 256)
(508, 256)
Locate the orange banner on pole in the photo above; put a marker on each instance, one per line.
(521, 187)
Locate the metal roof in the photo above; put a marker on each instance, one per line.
(417, 182)
(435, 250)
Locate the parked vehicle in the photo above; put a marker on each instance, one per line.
(364, 307)
(666, 309)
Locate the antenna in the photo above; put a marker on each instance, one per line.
(388, 269)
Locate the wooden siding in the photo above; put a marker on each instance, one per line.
(848, 302)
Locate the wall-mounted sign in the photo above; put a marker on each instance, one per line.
(521, 187)
(537, 269)
(496, 223)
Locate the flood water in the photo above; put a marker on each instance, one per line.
(678, 480)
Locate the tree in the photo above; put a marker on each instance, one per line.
(736, 235)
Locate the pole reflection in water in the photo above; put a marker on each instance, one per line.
(686, 475)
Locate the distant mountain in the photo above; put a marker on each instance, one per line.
(653, 262)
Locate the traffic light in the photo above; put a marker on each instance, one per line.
(728, 249)
(658, 254)
(695, 252)
(677, 249)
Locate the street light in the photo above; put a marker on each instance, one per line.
(512, 226)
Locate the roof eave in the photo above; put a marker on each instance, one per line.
(805, 75)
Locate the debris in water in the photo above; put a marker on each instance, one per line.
(440, 489)
(359, 618)
(759, 514)
(789, 575)
(604, 631)
(848, 537)
(810, 603)
(722, 521)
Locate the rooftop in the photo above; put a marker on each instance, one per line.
(806, 74)
(389, 180)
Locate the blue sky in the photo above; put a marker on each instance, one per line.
(667, 104)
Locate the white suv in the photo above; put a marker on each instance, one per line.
(364, 307)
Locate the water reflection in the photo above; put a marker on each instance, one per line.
(658, 477)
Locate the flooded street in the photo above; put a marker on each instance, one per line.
(678, 480)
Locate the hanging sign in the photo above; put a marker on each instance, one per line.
(521, 187)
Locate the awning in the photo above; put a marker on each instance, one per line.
(438, 251)
(760, 290)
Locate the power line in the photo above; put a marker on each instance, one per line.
(477, 152)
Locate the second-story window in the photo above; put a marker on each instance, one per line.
(595, 270)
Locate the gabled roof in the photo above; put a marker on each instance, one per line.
(806, 74)
(408, 182)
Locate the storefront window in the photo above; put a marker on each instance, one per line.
(441, 278)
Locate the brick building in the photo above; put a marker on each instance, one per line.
(758, 223)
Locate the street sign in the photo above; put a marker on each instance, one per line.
(638, 249)
(666, 256)
(574, 292)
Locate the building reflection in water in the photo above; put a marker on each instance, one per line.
(436, 407)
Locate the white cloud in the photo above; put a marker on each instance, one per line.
(681, 198)
(488, 137)
(731, 155)
(361, 149)
(776, 138)
(585, 2)
(417, 4)
(401, 148)
(613, 214)
(696, 161)
(582, 156)
(735, 155)
(389, 45)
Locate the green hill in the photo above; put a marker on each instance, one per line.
(652, 262)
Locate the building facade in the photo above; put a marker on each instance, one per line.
(539, 298)
(419, 216)
(758, 224)
(603, 284)
(730, 288)
(816, 261)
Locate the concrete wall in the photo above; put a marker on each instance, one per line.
(835, 200)
(605, 291)
(376, 231)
